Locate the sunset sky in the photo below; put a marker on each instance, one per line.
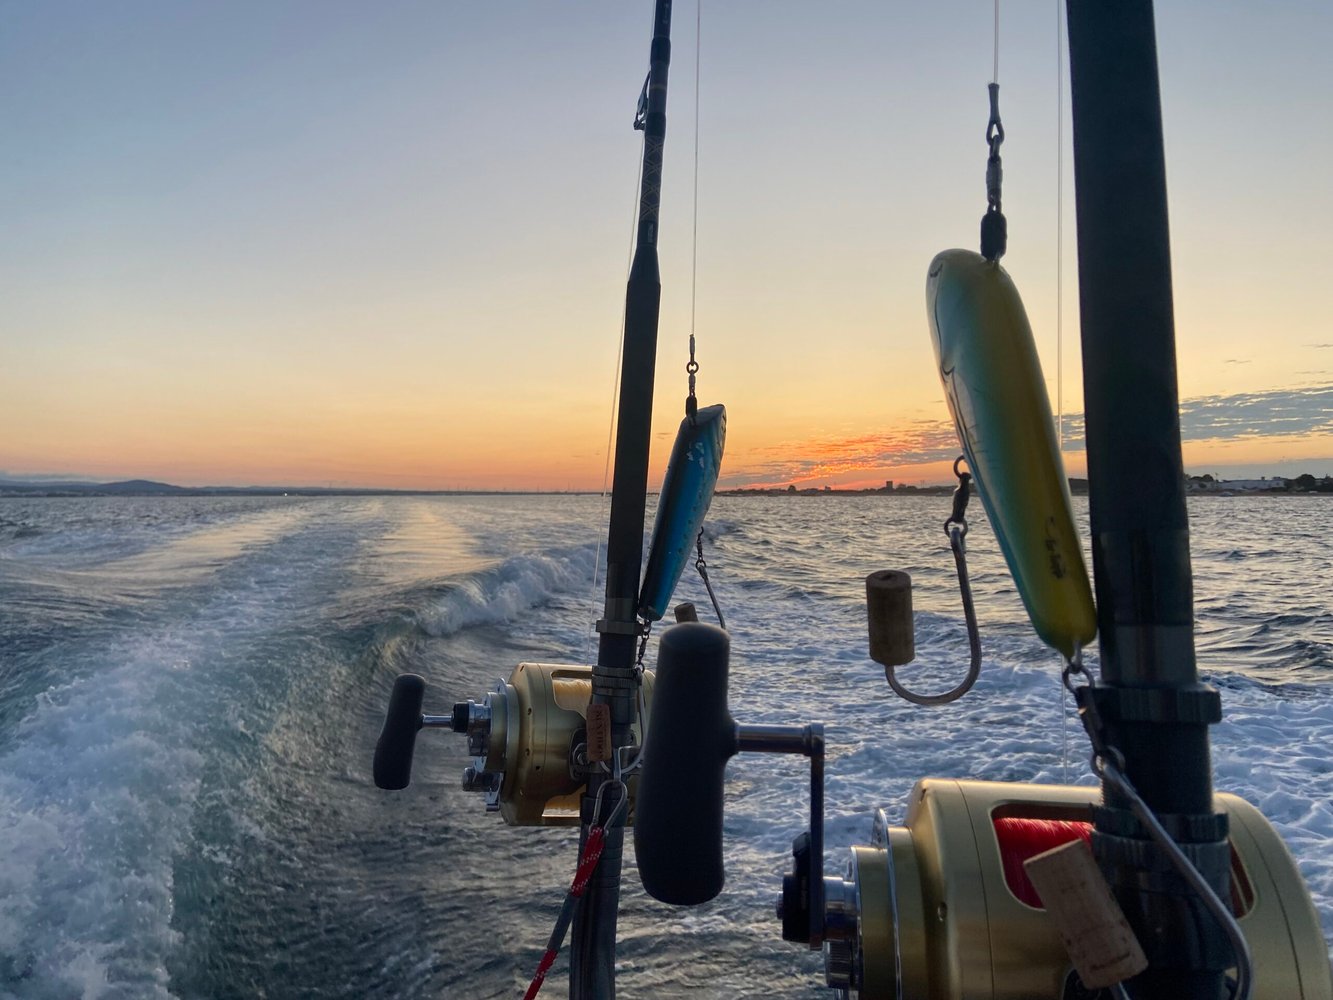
(385, 245)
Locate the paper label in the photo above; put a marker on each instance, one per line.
(599, 732)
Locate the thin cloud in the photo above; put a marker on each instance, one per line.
(916, 443)
(1275, 413)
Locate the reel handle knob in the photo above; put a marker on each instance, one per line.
(691, 735)
(402, 721)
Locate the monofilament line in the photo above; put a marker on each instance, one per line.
(1060, 226)
(1060, 302)
(694, 241)
(995, 70)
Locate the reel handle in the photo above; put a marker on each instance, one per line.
(402, 722)
(691, 735)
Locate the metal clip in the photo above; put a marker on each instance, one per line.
(994, 228)
(1086, 699)
(619, 806)
(994, 128)
(641, 112)
(961, 494)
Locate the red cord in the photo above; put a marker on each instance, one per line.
(544, 967)
(592, 853)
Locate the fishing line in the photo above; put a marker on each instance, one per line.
(995, 71)
(1060, 304)
(694, 260)
(1064, 736)
(1059, 226)
(692, 366)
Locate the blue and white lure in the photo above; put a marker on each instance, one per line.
(687, 492)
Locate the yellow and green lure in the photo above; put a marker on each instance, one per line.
(993, 382)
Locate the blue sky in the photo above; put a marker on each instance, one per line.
(282, 242)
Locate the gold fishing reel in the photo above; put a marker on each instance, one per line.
(528, 738)
(936, 908)
(529, 741)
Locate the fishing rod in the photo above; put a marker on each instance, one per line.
(1153, 706)
(615, 677)
(549, 745)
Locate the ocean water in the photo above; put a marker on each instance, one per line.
(191, 689)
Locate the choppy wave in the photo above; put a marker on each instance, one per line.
(505, 592)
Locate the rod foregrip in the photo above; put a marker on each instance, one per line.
(678, 810)
(402, 721)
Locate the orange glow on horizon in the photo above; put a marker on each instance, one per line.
(858, 462)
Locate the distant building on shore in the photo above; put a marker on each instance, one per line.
(1207, 484)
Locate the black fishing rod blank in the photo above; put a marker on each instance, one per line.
(615, 679)
(1155, 710)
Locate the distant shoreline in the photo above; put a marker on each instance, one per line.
(147, 488)
(935, 491)
(10, 489)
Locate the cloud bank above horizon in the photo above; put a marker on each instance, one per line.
(1271, 415)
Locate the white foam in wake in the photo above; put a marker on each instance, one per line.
(505, 592)
(95, 799)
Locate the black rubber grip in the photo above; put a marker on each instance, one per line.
(678, 810)
(393, 752)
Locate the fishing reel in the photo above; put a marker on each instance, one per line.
(941, 906)
(528, 740)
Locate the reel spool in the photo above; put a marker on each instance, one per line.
(935, 908)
